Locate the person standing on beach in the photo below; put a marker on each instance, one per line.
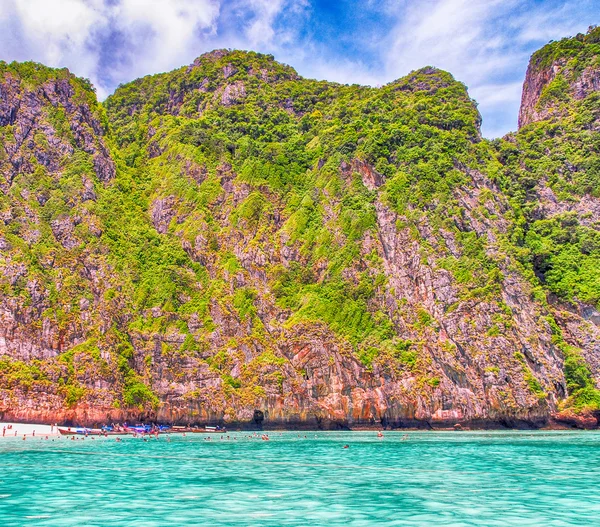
(3, 431)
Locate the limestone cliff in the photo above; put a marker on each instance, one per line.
(560, 72)
(232, 243)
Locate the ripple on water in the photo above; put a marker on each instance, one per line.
(468, 479)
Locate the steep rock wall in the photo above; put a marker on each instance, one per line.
(264, 250)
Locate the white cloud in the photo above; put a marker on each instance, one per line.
(497, 94)
(53, 32)
(276, 26)
(260, 24)
(260, 29)
(156, 35)
(483, 43)
(312, 63)
(548, 24)
(173, 25)
(58, 26)
(450, 34)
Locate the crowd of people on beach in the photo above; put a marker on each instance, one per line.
(143, 432)
(16, 429)
(156, 433)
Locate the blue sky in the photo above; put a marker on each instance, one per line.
(484, 43)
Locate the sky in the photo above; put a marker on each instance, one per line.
(484, 43)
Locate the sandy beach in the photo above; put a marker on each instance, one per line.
(26, 429)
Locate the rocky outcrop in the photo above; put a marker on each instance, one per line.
(586, 420)
(233, 94)
(48, 121)
(553, 77)
(536, 79)
(534, 108)
(285, 272)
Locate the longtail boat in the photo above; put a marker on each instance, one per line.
(89, 432)
(210, 430)
(79, 431)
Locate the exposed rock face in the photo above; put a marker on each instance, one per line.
(586, 209)
(26, 109)
(276, 268)
(585, 420)
(316, 381)
(233, 94)
(162, 213)
(536, 79)
(581, 326)
(561, 119)
(572, 79)
(52, 155)
(581, 84)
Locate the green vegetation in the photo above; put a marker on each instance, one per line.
(580, 48)
(580, 383)
(567, 255)
(530, 379)
(19, 374)
(558, 158)
(583, 394)
(248, 203)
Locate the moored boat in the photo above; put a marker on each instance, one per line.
(79, 431)
(89, 432)
(181, 429)
(210, 430)
(138, 430)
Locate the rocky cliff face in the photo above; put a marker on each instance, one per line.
(232, 243)
(46, 119)
(560, 72)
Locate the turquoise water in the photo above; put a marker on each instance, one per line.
(433, 478)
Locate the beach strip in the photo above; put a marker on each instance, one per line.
(27, 429)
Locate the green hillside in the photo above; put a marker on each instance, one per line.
(229, 240)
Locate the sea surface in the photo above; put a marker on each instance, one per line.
(445, 479)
